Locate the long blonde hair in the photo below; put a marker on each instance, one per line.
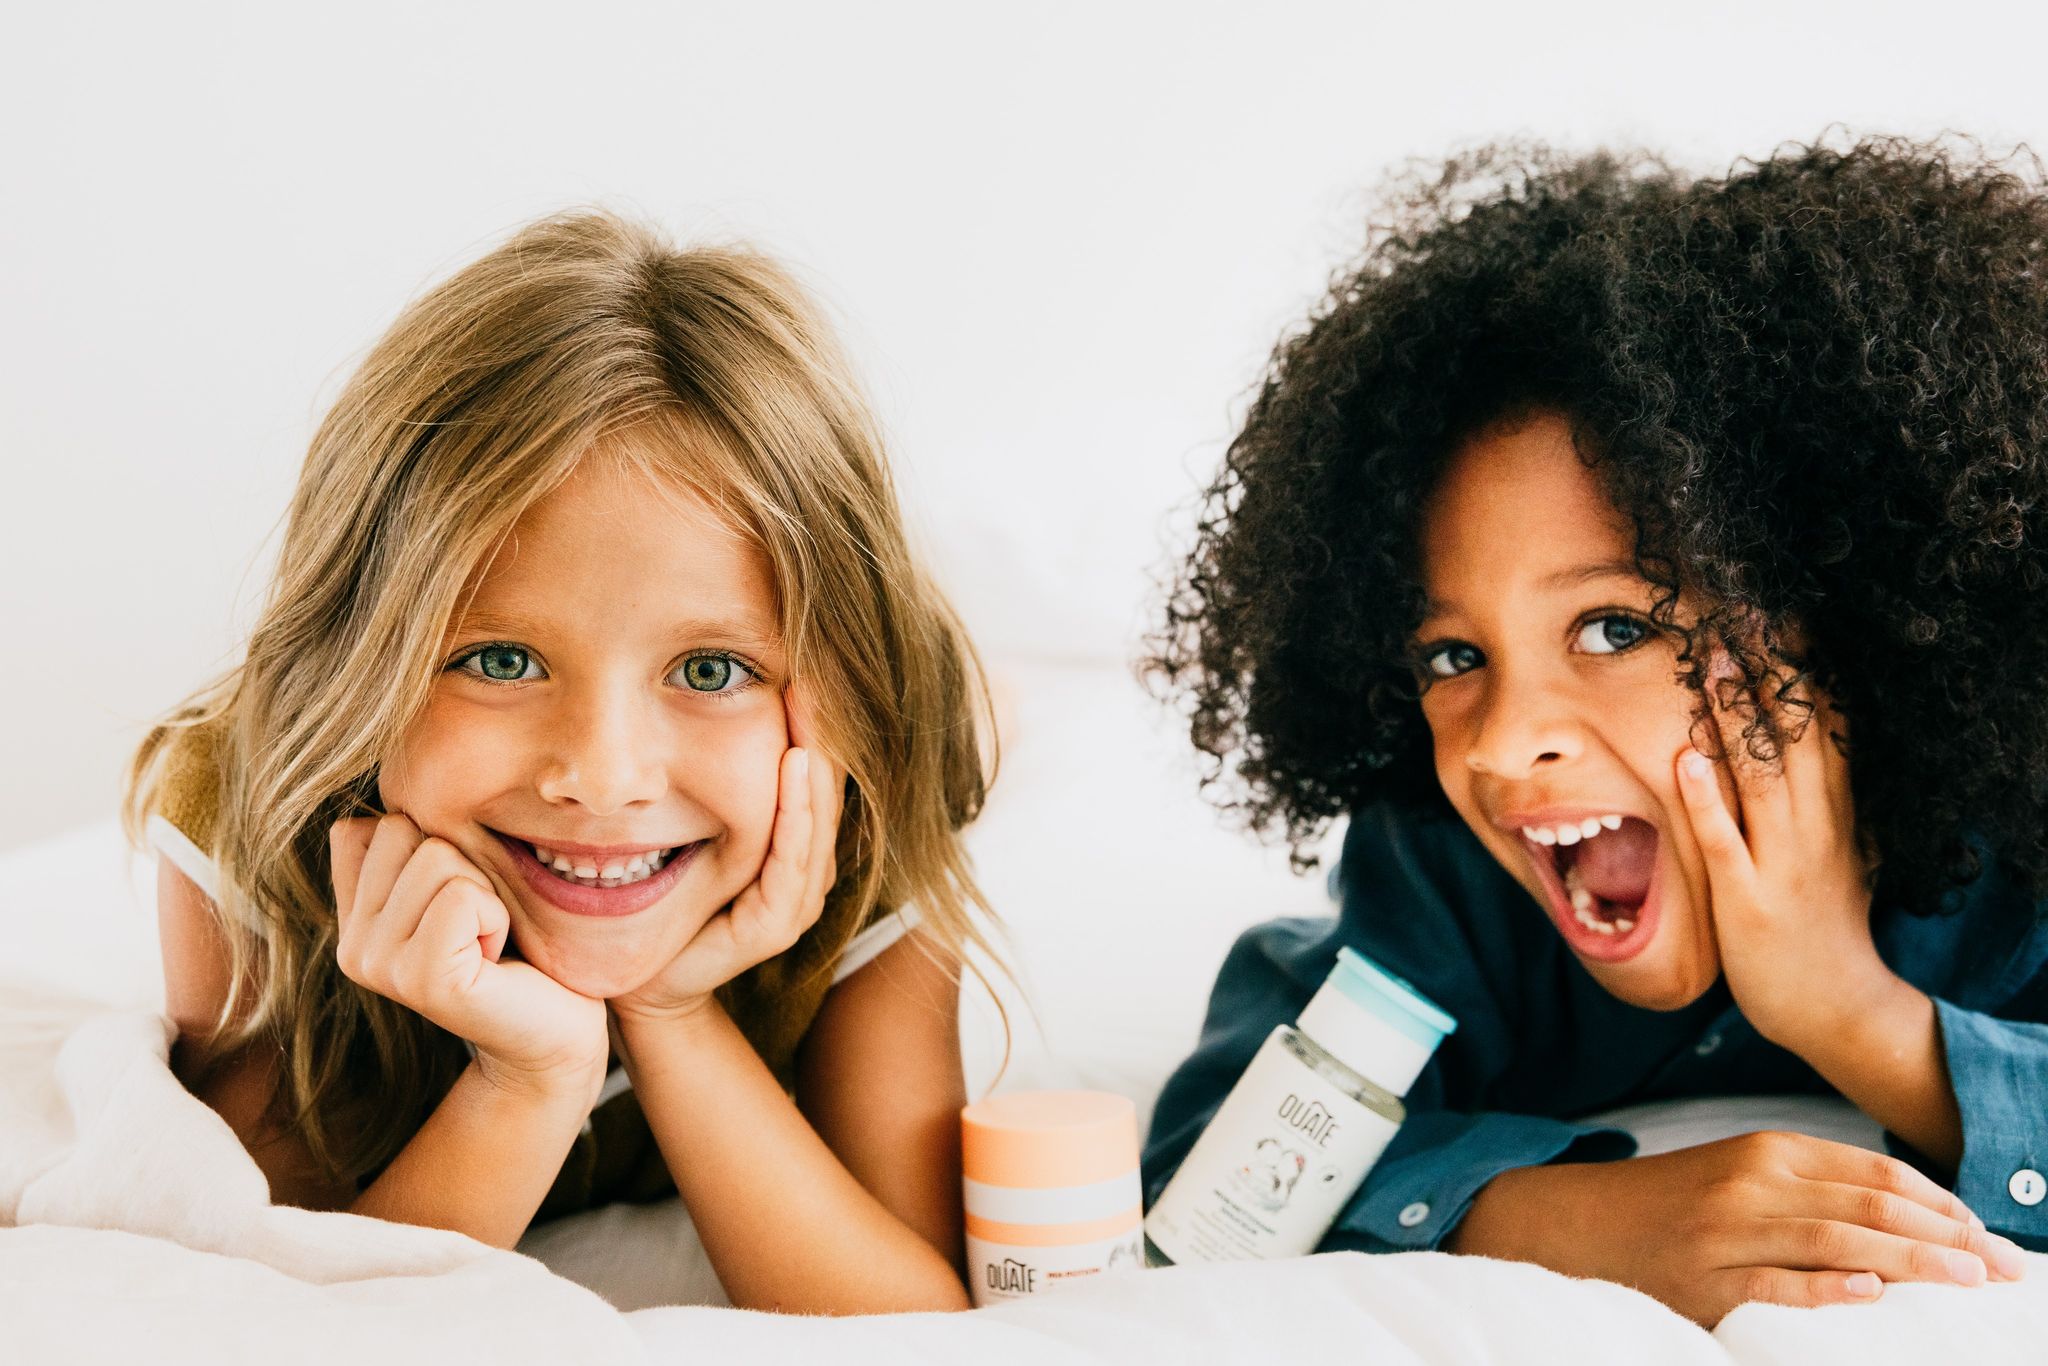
(480, 400)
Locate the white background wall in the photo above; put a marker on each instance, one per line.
(1061, 239)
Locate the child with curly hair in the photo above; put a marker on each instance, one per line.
(1655, 570)
(582, 824)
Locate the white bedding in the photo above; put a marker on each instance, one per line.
(133, 1226)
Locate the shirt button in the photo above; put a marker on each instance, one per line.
(1417, 1212)
(1707, 1045)
(2027, 1186)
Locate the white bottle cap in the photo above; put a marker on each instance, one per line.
(1374, 1023)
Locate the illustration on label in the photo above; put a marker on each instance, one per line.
(1268, 1179)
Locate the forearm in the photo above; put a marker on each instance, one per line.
(483, 1161)
(1882, 1050)
(786, 1226)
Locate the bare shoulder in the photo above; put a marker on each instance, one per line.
(195, 952)
(913, 985)
(889, 1035)
(241, 1084)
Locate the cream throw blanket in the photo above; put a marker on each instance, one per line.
(133, 1227)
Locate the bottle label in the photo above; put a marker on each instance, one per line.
(1001, 1271)
(1270, 1173)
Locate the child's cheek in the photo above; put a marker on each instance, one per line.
(742, 788)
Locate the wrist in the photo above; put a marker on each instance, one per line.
(632, 1014)
(1860, 994)
(566, 1084)
(1509, 1214)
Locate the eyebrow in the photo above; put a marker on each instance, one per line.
(741, 631)
(1586, 573)
(1562, 579)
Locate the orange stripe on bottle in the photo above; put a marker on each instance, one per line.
(1054, 1235)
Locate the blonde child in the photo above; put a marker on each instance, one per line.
(582, 823)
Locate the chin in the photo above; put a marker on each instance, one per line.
(598, 971)
(1658, 981)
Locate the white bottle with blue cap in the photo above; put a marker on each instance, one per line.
(1297, 1134)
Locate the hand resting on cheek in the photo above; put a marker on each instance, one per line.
(421, 924)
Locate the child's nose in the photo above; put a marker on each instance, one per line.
(1522, 728)
(605, 758)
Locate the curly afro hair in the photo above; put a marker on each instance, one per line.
(1817, 386)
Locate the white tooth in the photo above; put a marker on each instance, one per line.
(1540, 835)
(1582, 900)
(586, 870)
(1568, 834)
(1603, 927)
(1624, 926)
(563, 865)
(1611, 822)
(1590, 826)
(635, 866)
(1587, 918)
(545, 856)
(613, 869)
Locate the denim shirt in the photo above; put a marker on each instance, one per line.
(1539, 1042)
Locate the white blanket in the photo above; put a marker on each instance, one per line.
(134, 1227)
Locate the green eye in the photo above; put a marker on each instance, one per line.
(713, 673)
(500, 664)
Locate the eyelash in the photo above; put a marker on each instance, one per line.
(461, 661)
(1425, 654)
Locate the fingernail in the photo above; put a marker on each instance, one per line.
(2007, 1259)
(1975, 1222)
(1864, 1285)
(1965, 1268)
(1695, 764)
(802, 769)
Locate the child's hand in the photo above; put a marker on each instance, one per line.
(1790, 885)
(421, 924)
(1777, 1217)
(785, 899)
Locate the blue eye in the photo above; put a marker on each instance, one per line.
(713, 673)
(500, 664)
(1610, 635)
(1448, 661)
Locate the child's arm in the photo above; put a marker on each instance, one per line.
(860, 1215)
(879, 1076)
(1791, 896)
(480, 1165)
(1771, 1216)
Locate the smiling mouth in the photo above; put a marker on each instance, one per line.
(612, 871)
(606, 885)
(1598, 885)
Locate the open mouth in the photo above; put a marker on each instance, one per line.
(1599, 875)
